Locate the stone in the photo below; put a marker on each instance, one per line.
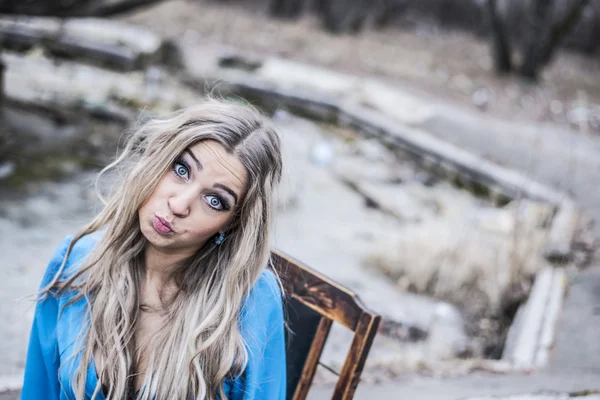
(558, 246)
(533, 334)
(40, 82)
(103, 41)
(289, 74)
(406, 109)
(22, 34)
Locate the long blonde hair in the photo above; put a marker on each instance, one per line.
(200, 343)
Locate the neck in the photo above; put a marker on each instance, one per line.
(159, 265)
(157, 285)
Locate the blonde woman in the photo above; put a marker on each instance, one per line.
(166, 293)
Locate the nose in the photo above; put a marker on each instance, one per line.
(180, 204)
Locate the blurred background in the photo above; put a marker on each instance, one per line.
(442, 160)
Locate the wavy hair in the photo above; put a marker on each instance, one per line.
(200, 343)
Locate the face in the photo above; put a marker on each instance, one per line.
(194, 200)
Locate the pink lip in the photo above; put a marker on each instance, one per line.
(162, 226)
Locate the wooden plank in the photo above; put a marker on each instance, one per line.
(355, 360)
(334, 302)
(318, 292)
(310, 367)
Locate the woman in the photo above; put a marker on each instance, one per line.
(165, 294)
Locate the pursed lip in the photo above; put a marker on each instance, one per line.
(165, 223)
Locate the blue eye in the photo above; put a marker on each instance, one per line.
(215, 202)
(181, 169)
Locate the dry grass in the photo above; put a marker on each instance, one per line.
(474, 263)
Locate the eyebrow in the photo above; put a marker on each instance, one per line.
(198, 165)
(228, 190)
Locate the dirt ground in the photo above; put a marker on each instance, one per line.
(451, 66)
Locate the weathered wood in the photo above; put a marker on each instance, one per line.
(312, 361)
(319, 292)
(334, 303)
(355, 361)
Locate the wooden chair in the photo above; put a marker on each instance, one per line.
(313, 303)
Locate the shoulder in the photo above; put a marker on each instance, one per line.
(262, 318)
(80, 250)
(265, 298)
(266, 290)
(268, 284)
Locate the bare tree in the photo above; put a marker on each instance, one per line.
(543, 34)
(287, 8)
(500, 45)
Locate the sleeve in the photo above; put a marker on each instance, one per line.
(263, 330)
(41, 380)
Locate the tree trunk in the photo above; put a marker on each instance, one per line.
(500, 47)
(540, 22)
(560, 29)
(286, 8)
(345, 16)
(3, 133)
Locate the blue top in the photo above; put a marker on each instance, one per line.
(50, 363)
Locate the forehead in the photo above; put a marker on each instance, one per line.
(222, 166)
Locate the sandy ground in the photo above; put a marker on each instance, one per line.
(452, 66)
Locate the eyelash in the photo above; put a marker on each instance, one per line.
(224, 203)
(180, 161)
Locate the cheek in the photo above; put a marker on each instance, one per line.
(146, 206)
(205, 223)
(160, 192)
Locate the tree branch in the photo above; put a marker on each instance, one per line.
(561, 29)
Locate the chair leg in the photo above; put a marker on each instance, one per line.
(355, 361)
(312, 361)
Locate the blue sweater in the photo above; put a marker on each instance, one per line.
(51, 361)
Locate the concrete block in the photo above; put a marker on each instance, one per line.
(107, 42)
(558, 246)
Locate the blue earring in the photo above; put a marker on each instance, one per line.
(220, 239)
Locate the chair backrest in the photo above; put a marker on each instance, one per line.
(313, 303)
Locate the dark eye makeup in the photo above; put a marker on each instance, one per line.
(181, 168)
(215, 201)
